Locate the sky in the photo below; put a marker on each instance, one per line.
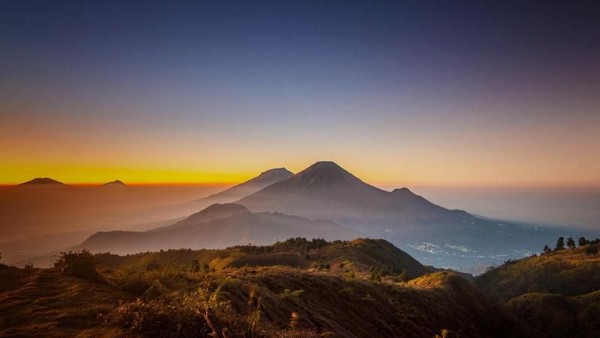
(484, 93)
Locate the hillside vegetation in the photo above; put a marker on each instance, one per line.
(296, 288)
(558, 315)
(361, 258)
(557, 293)
(568, 272)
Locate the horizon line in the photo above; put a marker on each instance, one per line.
(383, 185)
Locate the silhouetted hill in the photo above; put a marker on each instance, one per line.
(218, 226)
(46, 181)
(213, 212)
(115, 183)
(266, 178)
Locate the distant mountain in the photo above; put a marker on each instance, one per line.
(42, 181)
(115, 183)
(327, 191)
(218, 226)
(251, 186)
(439, 236)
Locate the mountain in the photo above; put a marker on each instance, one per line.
(266, 178)
(218, 226)
(325, 190)
(442, 237)
(115, 183)
(45, 181)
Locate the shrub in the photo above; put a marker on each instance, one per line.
(80, 264)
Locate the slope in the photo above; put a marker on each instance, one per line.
(169, 298)
(557, 315)
(359, 258)
(566, 272)
(40, 302)
(251, 186)
(558, 293)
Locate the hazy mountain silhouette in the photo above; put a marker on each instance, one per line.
(325, 190)
(116, 183)
(218, 226)
(43, 181)
(251, 186)
(443, 237)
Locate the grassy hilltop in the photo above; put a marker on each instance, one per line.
(296, 288)
(557, 292)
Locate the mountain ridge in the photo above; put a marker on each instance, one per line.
(115, 183)
(42, 181)
(218, 226)
(327, 183)
(248, 187)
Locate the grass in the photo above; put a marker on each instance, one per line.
(251, 292)
(559, 316)
(557, 293)
(568, 272)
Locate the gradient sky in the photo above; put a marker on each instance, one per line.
(414, 92)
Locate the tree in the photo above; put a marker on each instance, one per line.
(560, 244)
(571, 243)
(582, 241)
(547, 249)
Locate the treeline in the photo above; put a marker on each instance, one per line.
(591, 246)
(291, 244)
